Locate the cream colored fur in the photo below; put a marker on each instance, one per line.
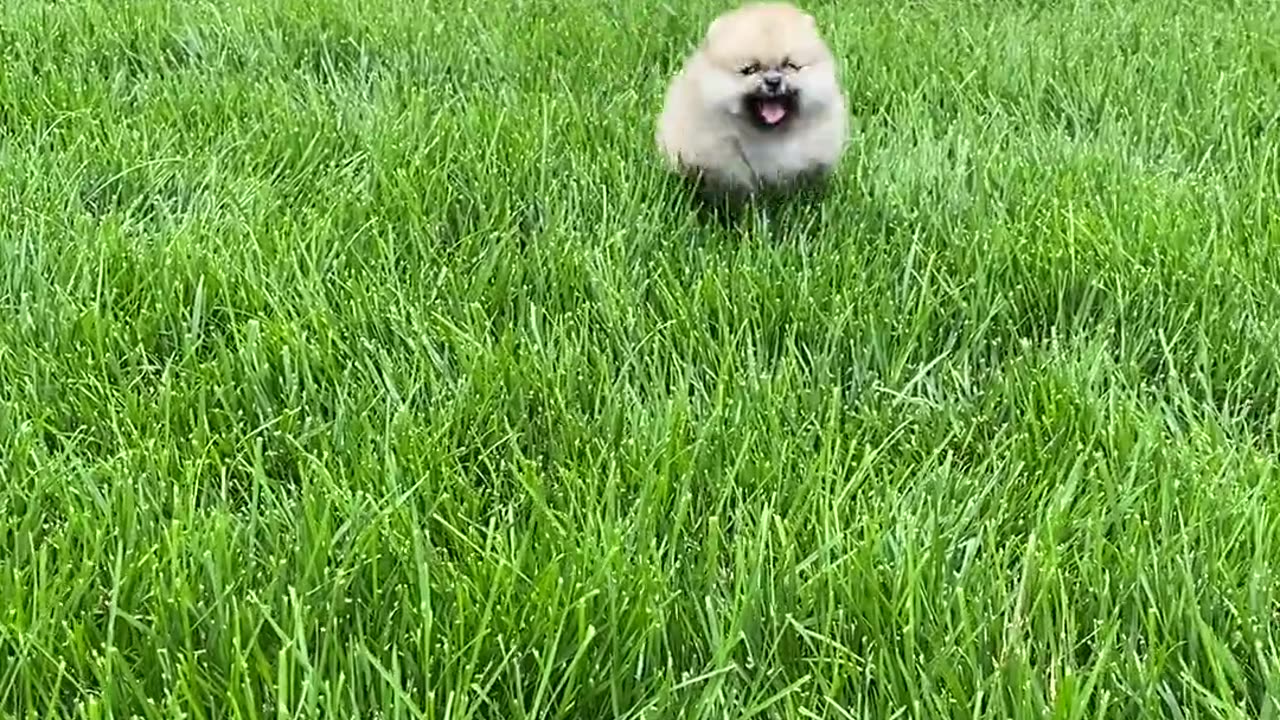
(705, 130)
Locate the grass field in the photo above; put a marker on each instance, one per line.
(358, 360)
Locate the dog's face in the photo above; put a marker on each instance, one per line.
(767, 65)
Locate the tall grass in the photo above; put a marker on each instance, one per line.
(359, 360)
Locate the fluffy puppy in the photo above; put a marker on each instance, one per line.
(758, 105)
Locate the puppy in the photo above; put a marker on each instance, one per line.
(757, 106)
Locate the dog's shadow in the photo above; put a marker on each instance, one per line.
(794, 208)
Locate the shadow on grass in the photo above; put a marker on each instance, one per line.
(728, 209)
(805, 210)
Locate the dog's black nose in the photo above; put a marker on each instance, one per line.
(772, 81)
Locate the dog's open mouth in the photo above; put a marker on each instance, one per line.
(771, 111)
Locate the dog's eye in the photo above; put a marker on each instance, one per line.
(790, 66)
(751, 69)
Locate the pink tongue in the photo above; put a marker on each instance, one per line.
(772, 112)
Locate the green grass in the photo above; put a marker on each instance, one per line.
(358, 360)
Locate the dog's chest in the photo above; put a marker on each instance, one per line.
(784, 157)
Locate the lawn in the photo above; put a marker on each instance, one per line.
(359, 360)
